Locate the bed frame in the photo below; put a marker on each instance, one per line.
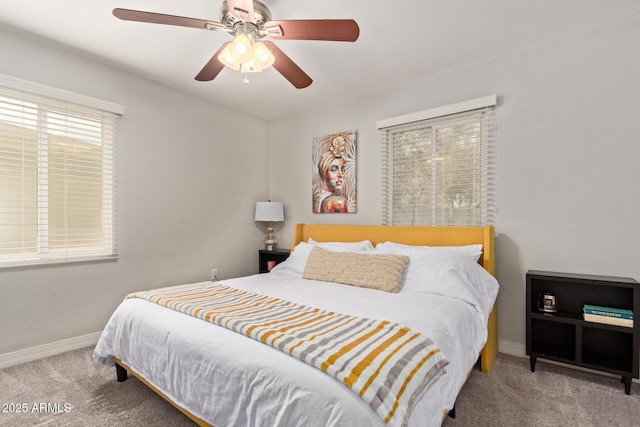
(426, 236)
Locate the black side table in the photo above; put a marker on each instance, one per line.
(276, 257)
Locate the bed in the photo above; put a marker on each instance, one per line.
(219, 377)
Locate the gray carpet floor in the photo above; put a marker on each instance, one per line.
(510, 395)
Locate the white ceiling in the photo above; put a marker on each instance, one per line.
(399, 40)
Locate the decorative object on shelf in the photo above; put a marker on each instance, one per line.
(617, 321)
(270, 212)
(608, 315)
(547, 303)
(607, 311)
(334, 173)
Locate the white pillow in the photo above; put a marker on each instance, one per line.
(446, 273)
(364, 245)
(297, 259)
(471, 250)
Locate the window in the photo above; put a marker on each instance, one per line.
(57, 175)
(438, 166)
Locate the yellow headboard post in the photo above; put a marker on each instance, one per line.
(489, 251)
(489, 353)
(297, 235)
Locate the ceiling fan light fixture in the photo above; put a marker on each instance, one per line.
(250, 67)
(245, 54)
(262, 55)
(241, 49)
(227, 59)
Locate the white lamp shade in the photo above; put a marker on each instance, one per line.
(269, 211)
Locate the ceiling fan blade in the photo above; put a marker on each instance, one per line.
(213, 67)
(159, 18)
(242, 9)
(340, 30)
(288, 68)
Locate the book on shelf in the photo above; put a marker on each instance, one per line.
(608, 311)
(618, 321)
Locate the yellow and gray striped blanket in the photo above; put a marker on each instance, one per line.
(389, 366)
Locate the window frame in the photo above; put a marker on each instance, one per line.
(479, 110)
(70, 106)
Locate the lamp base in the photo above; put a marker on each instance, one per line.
(270, 247)
(270, 242)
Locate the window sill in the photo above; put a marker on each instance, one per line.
(40, 263)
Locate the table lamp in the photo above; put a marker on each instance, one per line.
(270, 212)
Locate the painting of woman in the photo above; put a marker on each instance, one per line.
(334, 177)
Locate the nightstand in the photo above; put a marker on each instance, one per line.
(265, 256)
(566, 336)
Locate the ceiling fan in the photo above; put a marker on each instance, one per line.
(249, 21)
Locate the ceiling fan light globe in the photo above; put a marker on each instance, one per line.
(267, 62)
(262, 54)
(227, 59)
(241, 49)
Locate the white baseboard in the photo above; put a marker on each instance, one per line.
(45, 350)
(512, 348)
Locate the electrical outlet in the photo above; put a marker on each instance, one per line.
(214, 274)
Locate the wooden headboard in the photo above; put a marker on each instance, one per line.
(425, 236)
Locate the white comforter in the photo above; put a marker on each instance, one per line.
(230, 380)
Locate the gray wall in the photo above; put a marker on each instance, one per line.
(567, 176)
(188, 183)
(567, 158)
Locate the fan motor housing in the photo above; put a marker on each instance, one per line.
(260, 12)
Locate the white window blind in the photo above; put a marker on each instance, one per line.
(57, 177)
(439, 171)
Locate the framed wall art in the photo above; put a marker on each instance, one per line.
(333, 173)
